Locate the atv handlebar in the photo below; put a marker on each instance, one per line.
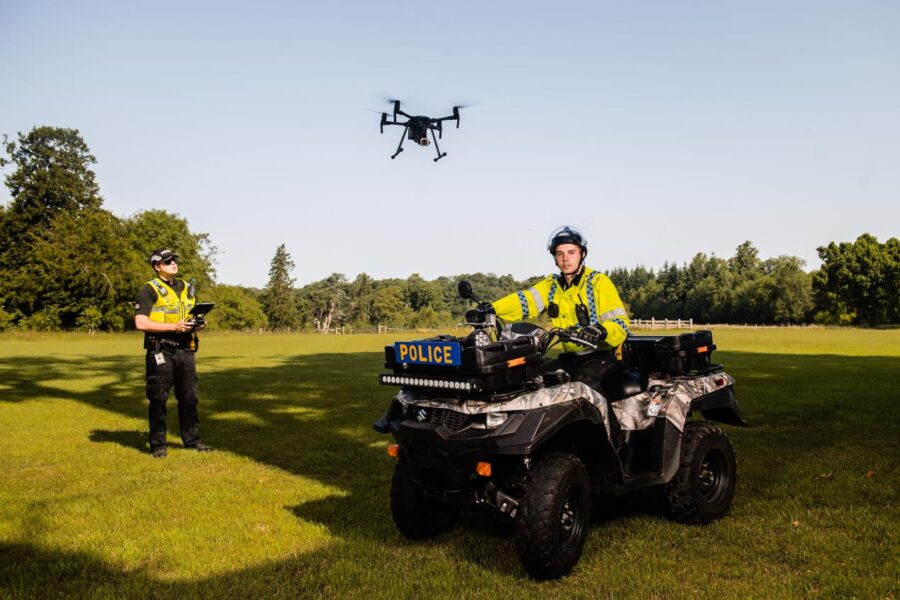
(558, 334)
(493, 322)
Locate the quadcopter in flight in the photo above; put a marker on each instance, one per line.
(417, 128)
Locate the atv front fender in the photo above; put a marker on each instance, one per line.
(720, 406)
(540, 426)
(393, 413)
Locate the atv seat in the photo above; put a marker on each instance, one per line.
(624, 383)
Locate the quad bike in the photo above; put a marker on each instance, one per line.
(481, 423)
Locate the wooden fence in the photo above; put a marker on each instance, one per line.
(662, 323)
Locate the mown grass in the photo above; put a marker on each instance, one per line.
(294, 502)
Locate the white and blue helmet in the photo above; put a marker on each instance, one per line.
(566, 234)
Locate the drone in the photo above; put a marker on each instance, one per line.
(417, 128)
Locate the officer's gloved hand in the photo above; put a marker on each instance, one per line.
(593, 334)
(477, 314)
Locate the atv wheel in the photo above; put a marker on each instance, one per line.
(415, 516)
(703, 487)
(554, 516)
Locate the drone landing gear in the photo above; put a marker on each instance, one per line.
(437, 148)
(400, 145)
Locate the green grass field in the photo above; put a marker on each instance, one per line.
(295, 500)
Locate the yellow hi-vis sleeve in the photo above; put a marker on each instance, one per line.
(610, 311)
(525, 304)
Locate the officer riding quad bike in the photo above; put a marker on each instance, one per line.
(481, 424)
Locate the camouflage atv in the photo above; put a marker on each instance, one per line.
(480, 423)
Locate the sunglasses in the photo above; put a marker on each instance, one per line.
(170, 261)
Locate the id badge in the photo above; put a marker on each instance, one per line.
(160, 358)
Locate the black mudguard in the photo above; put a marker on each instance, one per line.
(523, 433)
(392, 414)
(720, 406)
(541, 425)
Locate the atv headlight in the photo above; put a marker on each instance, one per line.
(482, 338)
(495, 419)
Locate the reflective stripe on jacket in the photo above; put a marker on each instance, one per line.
(594, 290)
(169, 306)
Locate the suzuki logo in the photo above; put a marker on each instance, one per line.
(421, 415)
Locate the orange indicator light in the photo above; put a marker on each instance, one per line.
(702, 349)
(393, 450)
(483, 469)
(516, 362)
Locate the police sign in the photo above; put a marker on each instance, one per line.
(428, 353)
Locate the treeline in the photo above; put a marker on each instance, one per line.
(366, 303)
(71, 264)
(741, 289)
(857, 284)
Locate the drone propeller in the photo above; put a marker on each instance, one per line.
(383, 121)
(390, 100)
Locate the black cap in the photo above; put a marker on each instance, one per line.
(161, 255)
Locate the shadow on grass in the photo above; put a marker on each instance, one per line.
(136, 440)
(311, 415)
(29, 571)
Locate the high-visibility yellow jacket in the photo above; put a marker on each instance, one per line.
(171, 307)
(591, 288)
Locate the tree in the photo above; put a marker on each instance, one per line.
(278, 297)
(236, 309)
(89, 319)
(360, 294)
(753, 301)
(421, 293)
(859, 281)
(428, 318)
(83, 260)
(52, 175)
(745, 261)
(791, 289)
(153, 229)
(389, 306)
(327, 301)
(68, 258)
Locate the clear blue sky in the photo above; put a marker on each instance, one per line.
(662, 129)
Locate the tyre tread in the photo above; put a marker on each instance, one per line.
(537, 525)
(679, 494)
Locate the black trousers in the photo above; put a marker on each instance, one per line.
(593, 368)
(178, 370)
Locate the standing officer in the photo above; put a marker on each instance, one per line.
(163, 308)
(576, 297)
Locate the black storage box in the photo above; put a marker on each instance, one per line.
(670, 354)
(496, 366)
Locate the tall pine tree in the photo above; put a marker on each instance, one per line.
(278, 297)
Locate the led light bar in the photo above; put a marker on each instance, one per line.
(428, 383)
